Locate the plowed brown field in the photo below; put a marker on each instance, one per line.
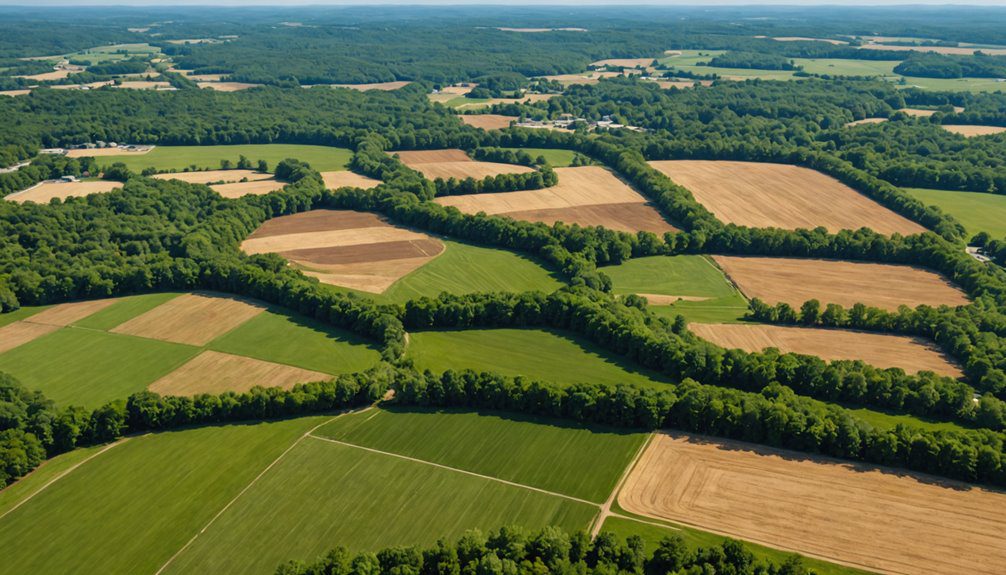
(887, 521)
(215, 372)
(794, 281)
(454, 164)
(765, 195)
(194, 319)
(911, 354)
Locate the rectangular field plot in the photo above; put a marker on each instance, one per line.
(537, 354)
(42, 193)
(323, 494)
(911, 354)
(551, 455)
(162, 158)
(879, 520)
(215, 372)
(796, 281)
(123, 309)
(194, 319)
(586, 195)
(454, 164)
(762, 195)
(979, 212)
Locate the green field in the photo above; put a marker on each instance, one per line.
(124, 309)
(116, 52)
(846, 67)
(689, 59)
(556, 158)
(552, 455)
(681, 276)
(977, 211)
(34, 482)
(538, 354)
(20, 314)
(167, 158)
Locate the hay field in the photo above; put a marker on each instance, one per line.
(13, 93)
(386, 86)
(951, 50)
(241, 189)
(488, 121)
(146, 85)
(193, 319)
(807, 39)
(227, 86)
(795, 280)
(357, 250)
(344, 178)
(99, 152)
(452, 163)
(762, 195)
(917, 112)
(624, 62)
(912, 354)
(210, 176)
(21, 332)
(215, 372)
(868, 517)
(42, 193)
(586, 195)
(865, 121)
(969, 131)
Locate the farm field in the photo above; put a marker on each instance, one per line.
(557, 158)
(881, 350)
(177, 158)
(588, 196)
(229, 183)
(446, 164)
(795, 281)
(686, 285)
(979, 212)
(342, 178)
(550, 356)
(762, 195)
(42, 193)
(892, 522)
(214, 372)
(971, 131)
(488, 121)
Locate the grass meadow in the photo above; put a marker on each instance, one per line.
(978, 212)
(555, 157)
(584, 462)
(534, 353)
(167, 158)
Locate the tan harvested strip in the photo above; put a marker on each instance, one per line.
(66, 313)
(42, 193)
(344, 178)
(912, 354)
(467, 169)
(208, 176)
(21, 332)
(970, 131)
(866, 121)
(373, 277)
(629, 217)
(99, 152)
(794, 281)
(194, 319)
(882, 520)
(368, 252)
(347, 237)
(215, 372)
(317, 221)
(241, 189)
(488, 121)
(227, 86)
(385, 86)
(661, 299)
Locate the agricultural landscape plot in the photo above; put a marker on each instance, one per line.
(230, 183)
(343, 178)
(42, 193)
(587, 195)
(454, 164)
(783, 196)
(488, 121)
(978, 211)
(178, 158)
(888, 522)
(971, 130)
(795, 281)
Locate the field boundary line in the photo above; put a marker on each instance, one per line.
(456, 470)
(606, 508)
(726, 277)
(60, 476)
(249, 486)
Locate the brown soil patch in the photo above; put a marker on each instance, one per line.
(13, 93)
(488, 121)
(764, 195)
(345, 178)
(886, 521)
(624, 62)
(866, 121)
(375, 86)
(98, 152)
(42, 193)
(357, 250)
(227, 86)
(194, 319)
(970, 131)
(205, 177)
(587, 195)
(912, 354)
(795, 280)
(21, 332)
(447, 164)
(215, 372)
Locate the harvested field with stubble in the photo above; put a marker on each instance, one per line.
(488, 121)
(47, 321)
(227, 86)
(241, 189)
(194, 319)
(98, 152)
(764, 195)
(795, 281)
(209, 176)
(886, 521)
(385, 86)
(21, 332)
(624, 62)
(970, 131)
(865, 121)
(357, 250)
(453, 163)
(215, 372)
(42, 193)
(586, 195)
(912, 354)
(343, 178)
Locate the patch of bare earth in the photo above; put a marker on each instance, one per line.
(912, 354)
(215, 372)
(970, 131)
(345, 178)
(765, 195)
(881, 520)
(865, 121)
(194, 319)
(453, 163)
(42, 193)
(386, 86)
(795, 281)
(488, 121)
(358, 250)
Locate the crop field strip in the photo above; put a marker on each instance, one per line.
(344, 178)
(972, 130)
(488, 121)
(889, 521)
(587, 195)
(453, 163)
(42, 193)
(192, 319)
(978, 211)
(166, 158)
(765, 195)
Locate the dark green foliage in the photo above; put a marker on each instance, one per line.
(933, 65)
(45, 167)
(755, 60)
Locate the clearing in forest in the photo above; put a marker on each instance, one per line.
(969, 131)
(488, 121)
(624, 62)
(215, 372)
(345, 178)
(384, 86)
(978, 211)
(795, 281)
(762, 195)
(886, 521)
(227, 86)
(357, 250)
(452, 163)
(97, 152)
(194, 319)
(42, 193)
(865, 121)
(178, 158)
(230, 183)
(586, 195)
(912, 354)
